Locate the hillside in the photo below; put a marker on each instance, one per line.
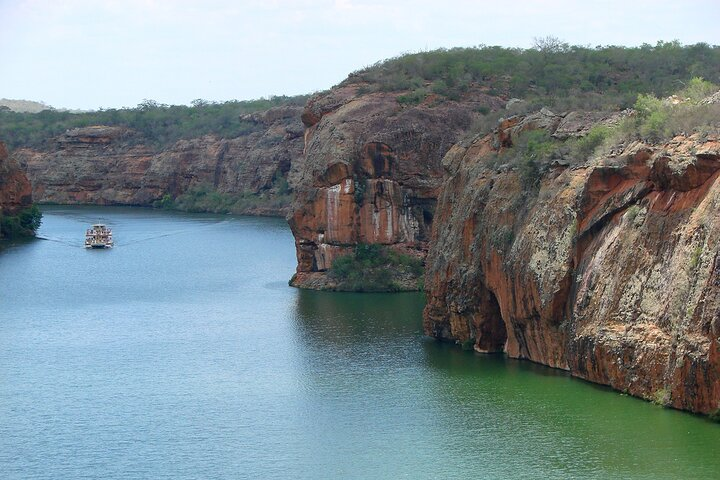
(113, 165)
(23, 106)
(372, 169)
(158, 125)
(553, 74)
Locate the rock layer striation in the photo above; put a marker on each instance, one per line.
(371, 174)
(608, 269)
(104, 165)
(15, 190)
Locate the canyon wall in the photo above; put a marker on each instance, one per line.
(104, 165)
(15, 190)
(607, 267)
(371, 173)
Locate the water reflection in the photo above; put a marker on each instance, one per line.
(357, 318)
(188, 356)
(514, 416)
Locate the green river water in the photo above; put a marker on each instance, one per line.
(182, 354)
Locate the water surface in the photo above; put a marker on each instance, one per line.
(182, 353)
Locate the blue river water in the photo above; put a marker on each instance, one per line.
(183, 354)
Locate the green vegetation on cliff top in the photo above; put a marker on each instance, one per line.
(553, 73)
(654, 120)
(552, 69)
(160, 125)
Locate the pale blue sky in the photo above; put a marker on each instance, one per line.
(113, 53)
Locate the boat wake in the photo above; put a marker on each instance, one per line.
(170, 234)
(61, 240)
(80, 244)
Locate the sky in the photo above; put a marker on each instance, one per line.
(90, 54)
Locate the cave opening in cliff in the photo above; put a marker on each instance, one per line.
(492, 334)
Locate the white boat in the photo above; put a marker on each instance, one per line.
(98, 236)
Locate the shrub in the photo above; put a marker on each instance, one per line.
(502, 237)
(661, 397)
(413, 98)
(24, 224)
(280, 183)
(553, 71)
(360, 183)
(654, 127)
(658, 121)
(695, 257)
(530, 150)
(697, 89)
(374, 268)
(715, 415)
(203, 198)
(584, 147)
(632, 212)
(159, 125)
(166, 202)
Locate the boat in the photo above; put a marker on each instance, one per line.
(98, 236)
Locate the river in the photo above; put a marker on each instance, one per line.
(183, 354)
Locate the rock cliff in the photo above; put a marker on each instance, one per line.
(113, 165)
(371, 173)
(15, 190)
(607, 268)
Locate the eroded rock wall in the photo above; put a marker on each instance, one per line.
(15, 190)
(112, 165)
(371, 174)
(609, 269)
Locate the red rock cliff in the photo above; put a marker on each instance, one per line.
(610, 269)
(371, 174)
(111, 165)
(15, 191)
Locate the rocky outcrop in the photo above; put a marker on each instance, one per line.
(15, 191)
(608, 269)
(371, 174)
(113, 166)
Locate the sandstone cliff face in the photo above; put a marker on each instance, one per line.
(15, 191)
(111, 166)
(371, 174)
(610, 269)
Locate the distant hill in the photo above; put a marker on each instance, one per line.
(24, 106)
(159, 125)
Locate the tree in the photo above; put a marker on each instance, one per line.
(550, 44)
